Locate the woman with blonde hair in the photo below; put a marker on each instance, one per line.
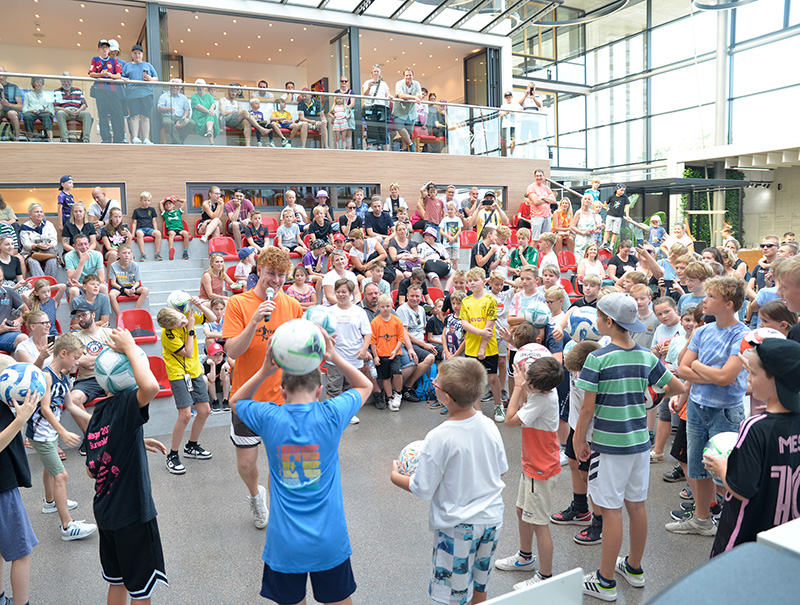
(584, 226)
(39, 239)
(214, 281)
(78, 224)
(38, 348)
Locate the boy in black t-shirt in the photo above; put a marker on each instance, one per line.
(130, 546)
(16, 534)
(255, 232)
(217, 374)
(617, 206)
(761, 472)
(142, 226)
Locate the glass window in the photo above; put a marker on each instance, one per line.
(571, 114)
(697, 35)
(664, 11)
(18, 198)
(598, 104)
(751, 123)
(681, 88)
(681, 130)
(599, 142)
(794, 13)
(630, 20)
(750, 74)
(627, 57)
(598, 66)
(572, 150)
(383, 8)
(759, 18)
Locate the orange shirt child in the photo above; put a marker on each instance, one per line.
(387, 334)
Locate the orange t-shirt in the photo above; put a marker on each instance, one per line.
(237, 315)
(386, 334)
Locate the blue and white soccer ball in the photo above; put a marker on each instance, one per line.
(322, 317)
(17, 380)
(113, 371)
(180, 300)
(582, 324)
(537, 314)
(298, 347)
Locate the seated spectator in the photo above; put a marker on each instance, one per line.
(300, 216)
(139, 96)
(402, 217)
(100, 208)
(350, 219)
(204, 112)
(375, 275)
(93, 298)
(10, 264)
(173, 224)
(114, 234)
(378, 223)
(364, 250)
(94, 339)
(39, 239)
(258, 115)
(547, 256)
(300, 290)
(36, 106)
(11, 308)
(80, 262)
(420, 357)
(234, 116)
(590, 264)
(213, 329)
(256, 233)
(218, 379)
(622, 262)
(561, 226)
(211, 215)
(289, 97)
(126, 279)
(11, 107)
(486, 253)
(415, 279)
(339, 271)
(678, 236)
(176, 114)
(281, 118)
(8, 222)
(37, 348)
(315, 262)
(429, 207)
(289, 234)
(238, 210)
(322, 198)
(321, 228)
(77, 224)
(395, 201)
(263, 93)
(435, 261)
(214, 281)
(143, 225)
(70, 104)
(247, 262)
(524, 254)
(44, 297)
(311, 116)
(339, 243)
(403, 253)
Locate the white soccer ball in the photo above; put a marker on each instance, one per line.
(528, 353)
(113, 371)
(537, 314)
(409, 458)
(322, 317)
(180, 300)
(17, 380)
(298, 347)
(582, 324)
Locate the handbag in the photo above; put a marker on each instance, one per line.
(42, 256)
(439, 267)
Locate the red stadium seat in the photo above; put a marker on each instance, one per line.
(122, 297)
(196, 227)
(569, 289)
(159, 370)
(226, 246)
(178, 236)
(468, 239)
(141, 320)
(275, 243)
(307, 241)
(512, 241)
(605, 256)
(566, 260)
(394, 297)
(435, 293)
(34, 278)
(270, 223)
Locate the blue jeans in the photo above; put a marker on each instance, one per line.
(702, 423)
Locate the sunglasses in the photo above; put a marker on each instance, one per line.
(768, 245)
(351, 207)
(343, 80)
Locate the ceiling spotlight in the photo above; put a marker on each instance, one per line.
(119, 36)
(259, 36)
(216, 43)
(37, 16)
(38, 29)
(83, 6)
(80, 33)
(81, 20)
(78, 43)
(189, 29)
(39, 41)
(196, 16)
(127, 10)
(122, 24)
(224, 33)
(208, 54)
(305, 28)
(280, 50)
(181, 41)
(248, 47)
(291, 39)
(234, 20)
(240, 56)
(270, 24)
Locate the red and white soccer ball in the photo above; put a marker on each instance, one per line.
(757, 336)
(527, 354)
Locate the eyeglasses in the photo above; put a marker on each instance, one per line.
(436, 385)
(551, 302)
(768, 245)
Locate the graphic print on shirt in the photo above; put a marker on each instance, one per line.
(300, 467)
(104, 473)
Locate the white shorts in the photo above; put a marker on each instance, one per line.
(615, 479)
(535, 499)
(452, 253)
(613, 224)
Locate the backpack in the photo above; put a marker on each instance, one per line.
(424, 388)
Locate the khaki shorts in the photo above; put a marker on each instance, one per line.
(48, 454)
(535, 499)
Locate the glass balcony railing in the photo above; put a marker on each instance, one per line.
(89, 110)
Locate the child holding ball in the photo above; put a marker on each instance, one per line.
(307, 532)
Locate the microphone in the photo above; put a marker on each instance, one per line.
(270, 295)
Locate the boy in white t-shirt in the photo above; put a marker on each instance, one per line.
(465, 516)
(450, 229)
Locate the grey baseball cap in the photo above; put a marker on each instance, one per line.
(622, 309)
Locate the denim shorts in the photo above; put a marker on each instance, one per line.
(146, 230)
(407, 125)
(702, 423)
(7, 340)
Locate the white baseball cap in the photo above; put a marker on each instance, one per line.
(623, 310)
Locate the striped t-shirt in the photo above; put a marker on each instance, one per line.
(619, 377)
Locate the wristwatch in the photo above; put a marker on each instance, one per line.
(191, 332)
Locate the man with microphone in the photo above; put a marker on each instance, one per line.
(250, 320)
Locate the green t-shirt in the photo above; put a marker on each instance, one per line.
(173, 220)
(531, 255)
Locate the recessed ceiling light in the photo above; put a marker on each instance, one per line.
(240, 56)
(37, 16)
(413, 65)
(181, 41)
(391, 39)
(270, 24)
(224, 33)
(119, 36)
(234, 20)
(81, 20)
(259, 36)
(78, 43)
(127, 10)
(83, 6)
(430, 56)
(122, 24)
(420, 43)
(248, 47)
(448, 46)
(439, 67)
(38, 29)
(196, 16)
(216, 43)
(208, 54)
(423, 74)
(359, 35)
(269, 58)
(291, 39)
(189, 29)
(174, 51)
(280, 50)
(80, 33)
(39, 41)
(305, 28)
(374, 49)
(404, 52)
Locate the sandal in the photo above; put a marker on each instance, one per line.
(61, 453)
(656, 457)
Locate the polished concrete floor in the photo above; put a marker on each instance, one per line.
(213, 551)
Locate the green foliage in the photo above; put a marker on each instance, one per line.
(699, 224)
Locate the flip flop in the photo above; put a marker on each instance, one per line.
(61, 453)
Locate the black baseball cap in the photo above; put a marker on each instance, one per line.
(137, 47)
(781, 358)
(81, 308)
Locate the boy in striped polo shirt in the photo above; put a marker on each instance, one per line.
(614, 379)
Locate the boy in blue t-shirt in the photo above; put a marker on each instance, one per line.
(307, 532)
(719, 381)
(614, 379)
(696, 274)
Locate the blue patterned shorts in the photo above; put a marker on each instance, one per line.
(462, 561)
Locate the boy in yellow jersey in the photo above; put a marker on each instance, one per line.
(478, 316)
(186, 378)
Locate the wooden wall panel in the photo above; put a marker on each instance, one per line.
(165, 170)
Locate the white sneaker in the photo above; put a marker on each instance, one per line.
(148, 142)
(354, 420)
(77, 530)
(499, 414)
(136, 141)
(258, 506)
(516, 562)
(529, 582)
(563, 458)
(204, 238)
(50, 507)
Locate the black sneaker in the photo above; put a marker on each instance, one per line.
(216, 408)
(82, 448)
(716, 511)
(571, 516)
(226, 406)
(174, 465)
(410, 395)
(504, 396)
(675, 475)
(591, 535)
(487, 397)
(683, 513)
(196, 451)
(379, 399)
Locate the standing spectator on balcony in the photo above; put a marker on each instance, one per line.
(10, 102)
(238, 211)
(204, 111)
(100, 209)
(540, 196)
(437, 124)
(70, 104)
(139, 96)
(38, 238)
(339, 115)
(422, 109)
(107, 94)
(310, 116)
(507, 122)
(528, 125)
(37, 107)
(408, 93)
(281, 118)
(175, 113)
(235, 116)
(350, 103)
(376, 110)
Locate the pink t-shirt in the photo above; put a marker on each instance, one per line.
(434, 210)
(542, 210)
(244, 210)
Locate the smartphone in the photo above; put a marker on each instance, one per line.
(51, 338)
(639, 242)
(668, 283)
